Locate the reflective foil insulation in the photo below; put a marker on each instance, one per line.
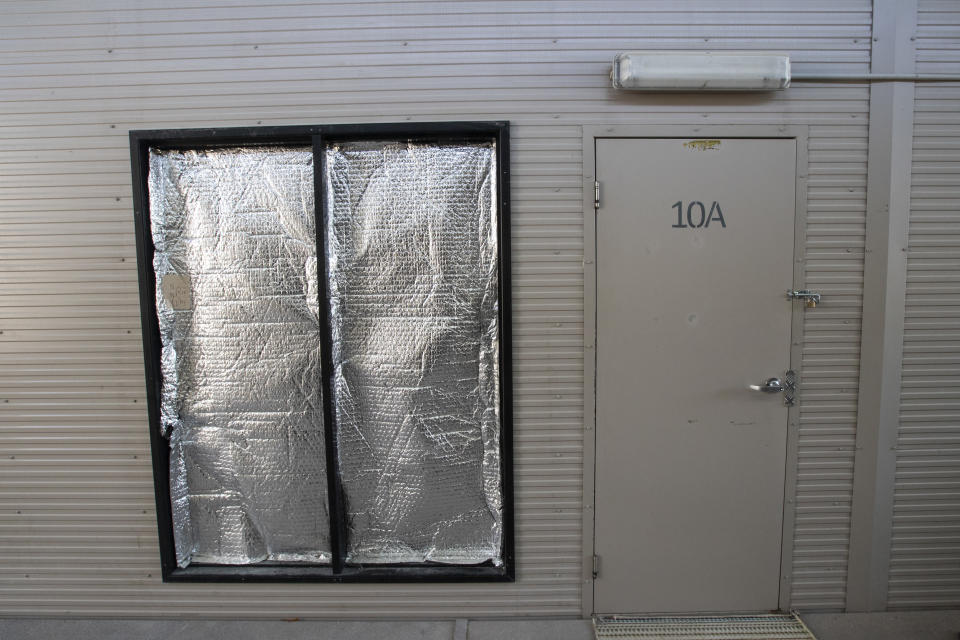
(236, 279)
(411, 233)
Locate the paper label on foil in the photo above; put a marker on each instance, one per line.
(176, 291)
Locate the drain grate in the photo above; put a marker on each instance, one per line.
(786, 626)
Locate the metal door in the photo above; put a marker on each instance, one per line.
(695, 242)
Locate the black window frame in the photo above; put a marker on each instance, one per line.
(316, 136)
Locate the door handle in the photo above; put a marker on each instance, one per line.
(772, 385)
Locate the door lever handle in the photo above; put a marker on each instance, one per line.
(772, 385)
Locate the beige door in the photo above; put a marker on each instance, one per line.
(695, 242)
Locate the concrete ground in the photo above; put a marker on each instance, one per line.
(921, 625)
(912, 625)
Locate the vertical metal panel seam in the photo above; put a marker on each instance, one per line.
(885, 266)
(924, 572)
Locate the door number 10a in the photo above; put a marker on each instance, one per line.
(697, 215)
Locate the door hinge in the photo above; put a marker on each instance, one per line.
(596, 194)
(596, 566)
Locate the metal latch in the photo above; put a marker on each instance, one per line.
(596, 566)
(810, 297)
(790, 388)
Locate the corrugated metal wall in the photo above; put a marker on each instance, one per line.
(925, 550)
(77, 528)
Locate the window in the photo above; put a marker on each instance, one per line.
(326, 333)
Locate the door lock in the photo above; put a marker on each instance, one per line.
(810, 297)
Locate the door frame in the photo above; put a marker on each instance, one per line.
(591, 133)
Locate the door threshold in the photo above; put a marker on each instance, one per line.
(779, 626)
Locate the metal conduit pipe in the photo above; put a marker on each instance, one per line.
(874, 77)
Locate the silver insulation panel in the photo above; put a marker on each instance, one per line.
(411, 232)
(236, 274)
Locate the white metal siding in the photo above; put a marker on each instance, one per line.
(925, 549)
(77, 528)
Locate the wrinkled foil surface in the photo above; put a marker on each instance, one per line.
(236, 268)
(411, 234)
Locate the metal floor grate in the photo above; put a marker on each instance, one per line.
(785, 626)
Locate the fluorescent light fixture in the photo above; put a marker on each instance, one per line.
(700, 71)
